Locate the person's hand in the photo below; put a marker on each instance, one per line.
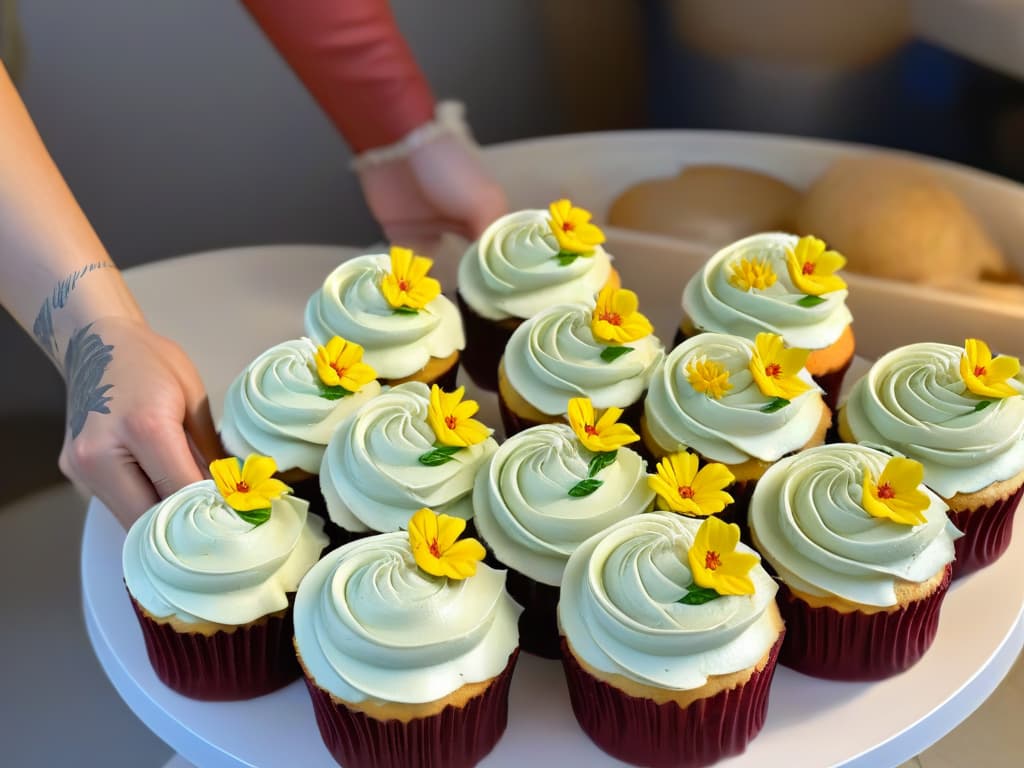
(138, 423)
(438, 187)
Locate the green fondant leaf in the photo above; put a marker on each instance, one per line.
(442, 454)
(600, 461)
(585, 487)
(982, 405)
(255, 516)
(810, 301)
(333, 393)
(608, 354)
(565, 258)
(698, 595)
(774, 405)
(406, 311)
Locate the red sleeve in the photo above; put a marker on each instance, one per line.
(352, 58)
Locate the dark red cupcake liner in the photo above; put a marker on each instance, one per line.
(485, 344)
(987, 533)
(538, 623)
(514, 423)
(822, 642)
(226, 666)
(832, 383)
(456, 737)
(309, 490)
(642, 732)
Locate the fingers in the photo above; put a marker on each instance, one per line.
(201, 431)
(111, 475)
(162, 451)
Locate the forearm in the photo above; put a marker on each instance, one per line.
(352, 58)
(55, 274)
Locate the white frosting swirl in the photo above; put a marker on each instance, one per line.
(807, 519)
(523, 508)
(731, 429)
(274, 408)
(513, 270)
(914, 400)
(350, 304)
(369, 624)
(553, 357)
(192, 557)
(371, 476)
(620, 608)
(713, 304)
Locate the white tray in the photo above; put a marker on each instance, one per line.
(814, 723)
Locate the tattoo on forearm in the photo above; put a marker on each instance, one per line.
(85, 361)
(42, 328)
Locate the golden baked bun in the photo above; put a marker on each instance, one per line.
(893, 218)
(708, 203)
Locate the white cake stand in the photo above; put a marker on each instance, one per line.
(227, 306)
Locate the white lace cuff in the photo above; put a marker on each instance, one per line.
(449, 120)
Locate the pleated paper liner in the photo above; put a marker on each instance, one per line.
(251, 661)
(642, 732)
(831, 382)
(987, 532)
(538, 623)
(823, 642)
(485, 344)
(514, 423)
(457, 737)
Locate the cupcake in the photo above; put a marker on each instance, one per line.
(287, 403)
(412, 446)
(525, 262)
(960, 413)
(408, 646)
(670, 635)
(388, 304)
(778, 283)
(741, 403)
(606, 352)
(863, 552)
(545, 491)
(211, 572)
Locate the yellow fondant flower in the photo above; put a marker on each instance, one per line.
(433, 540)
(407, 286)
(599, 435)
(714, 561)
(616, 319)
(572, 228)
(812, 268)
(250, 486)
(339, 364)
(708, 376)
(682, 488)
(775, 368)
(985, 376)
(896, 496)
(451, 418)
(750, 274)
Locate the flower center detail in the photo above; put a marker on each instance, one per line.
(885, 491)
(339, 369)
(435, 550)
(712, 560)
(568, 226)
(450, 422)
(774, 370)
(808, 268)
(979, 370)
(242, 487)
(612, 317)
(685, 492)
(590, 429)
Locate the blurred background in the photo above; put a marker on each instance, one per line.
(180, 129)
